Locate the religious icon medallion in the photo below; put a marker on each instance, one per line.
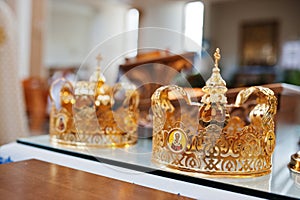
(177, 140)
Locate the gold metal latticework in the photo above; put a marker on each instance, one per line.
(94, 114)
(213, 137)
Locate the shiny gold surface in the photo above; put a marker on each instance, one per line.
(213, 137)
(294, 164)
(92, 113)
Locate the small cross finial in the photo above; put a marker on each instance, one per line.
(217, 57)
(99, 59)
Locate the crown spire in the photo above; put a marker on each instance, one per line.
(215, 88)
(99, 59)
(97, 76)
(217, 56)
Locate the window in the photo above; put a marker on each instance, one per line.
(193, 26)
(132, 25)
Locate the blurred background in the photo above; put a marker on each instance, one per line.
(259, 39)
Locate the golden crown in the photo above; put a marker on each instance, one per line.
(212, 136)
(92, 113)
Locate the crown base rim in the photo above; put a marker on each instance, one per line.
(79, 144)
(213, 174)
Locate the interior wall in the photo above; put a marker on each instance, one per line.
(226, 18)
(161, 14)
(75, 29)
(23, 21)
(106, 38)
(67, 35)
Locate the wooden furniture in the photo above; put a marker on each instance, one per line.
(153, 69)
(34, 179)
(156, 57)
(278, 88)
(254, 75)
(36, 93)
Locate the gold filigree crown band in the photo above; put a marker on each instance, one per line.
(214, 137)
(92, 113)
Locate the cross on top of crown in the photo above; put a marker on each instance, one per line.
(99, 59)
(217, 56)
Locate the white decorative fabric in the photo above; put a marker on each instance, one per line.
(13, 122)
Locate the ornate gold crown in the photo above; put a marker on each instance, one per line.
(213, 137)
(93, 113)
